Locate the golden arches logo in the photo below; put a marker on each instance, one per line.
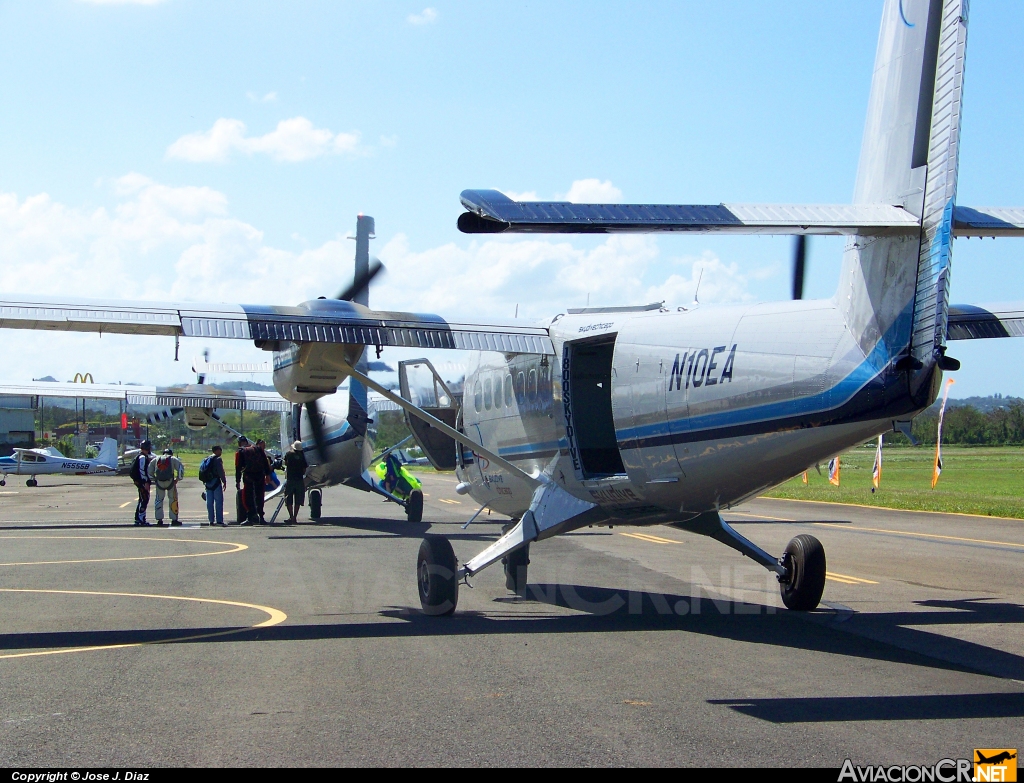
(87, 378)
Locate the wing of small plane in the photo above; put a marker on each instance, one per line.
(491, 212)
(317, 321)
(185, 396)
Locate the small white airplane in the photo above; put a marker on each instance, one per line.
(49, 461)
(652, 415)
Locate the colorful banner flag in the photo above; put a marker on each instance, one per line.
(876, 469)
(805, 477)
(938, 437)
(833, 471)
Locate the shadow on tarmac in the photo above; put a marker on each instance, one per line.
(603, 610)
(960, 706)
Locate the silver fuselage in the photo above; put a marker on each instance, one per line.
(710, 406)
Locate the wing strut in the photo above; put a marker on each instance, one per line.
(433, 421)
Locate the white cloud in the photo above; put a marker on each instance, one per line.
(157, 242)
(593, 191)
(269, 97)
(389, 141)
(528, 195)
(293, 140)
(426, 16)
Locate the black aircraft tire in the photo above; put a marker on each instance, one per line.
(315, 503)
(3, 482)
(239, 510)
(414, 506)
(516, 568)
(437, 576)
(805, 557)
(31, 483)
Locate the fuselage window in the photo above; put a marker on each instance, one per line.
(478, 397)
(531, 386)
(521, 387)
(508, 391)
(487, 393)
(497, 393)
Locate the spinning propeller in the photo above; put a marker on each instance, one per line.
(799, 261)
(353, 293)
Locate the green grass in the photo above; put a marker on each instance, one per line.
(986, 481)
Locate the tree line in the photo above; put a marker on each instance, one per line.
(968, 426)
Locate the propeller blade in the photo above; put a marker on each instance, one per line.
(362, 282)
(317, 425)
(799, 258)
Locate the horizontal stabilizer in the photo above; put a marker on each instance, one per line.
(491, 212)
(973, 322)
(988, 222)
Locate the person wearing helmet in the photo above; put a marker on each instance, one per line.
(139, 473)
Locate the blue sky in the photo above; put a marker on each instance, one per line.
(221, 150)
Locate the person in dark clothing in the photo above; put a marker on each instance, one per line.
(139, 473)
(215, 482)
(260, 490)
(240, 499)
(294, 485)
(251, 470)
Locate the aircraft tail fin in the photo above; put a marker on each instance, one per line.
(894, 289)
(108, 453)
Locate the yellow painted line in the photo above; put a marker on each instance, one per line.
(919, 535)
(275, 617)
(450, 502)
(853, 580)
(885, 508)
(126, 504)
(760, 516)
(651, 539)
(237, 548)
(837, 579)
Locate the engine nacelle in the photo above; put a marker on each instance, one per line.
(198, 418)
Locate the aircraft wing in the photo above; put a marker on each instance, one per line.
(974, 322)
(490, 212)
(321, 320)
(188, 396)
(92, 391)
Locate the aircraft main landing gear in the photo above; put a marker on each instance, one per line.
(516, 564)
(316, 500)
(414, 506)
(437, 576)
(31, 483)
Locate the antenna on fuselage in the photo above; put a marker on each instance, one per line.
(696, 290)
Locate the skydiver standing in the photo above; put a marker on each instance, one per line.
(139, 473)
(294, 486)
(166, 471)
(251, 470)
(241, 509)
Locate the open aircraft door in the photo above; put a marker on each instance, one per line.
(433, 396)
(587, 403)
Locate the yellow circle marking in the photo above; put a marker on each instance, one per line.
(275, 617)
(237, 548)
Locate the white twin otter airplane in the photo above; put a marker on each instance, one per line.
(648, 416)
